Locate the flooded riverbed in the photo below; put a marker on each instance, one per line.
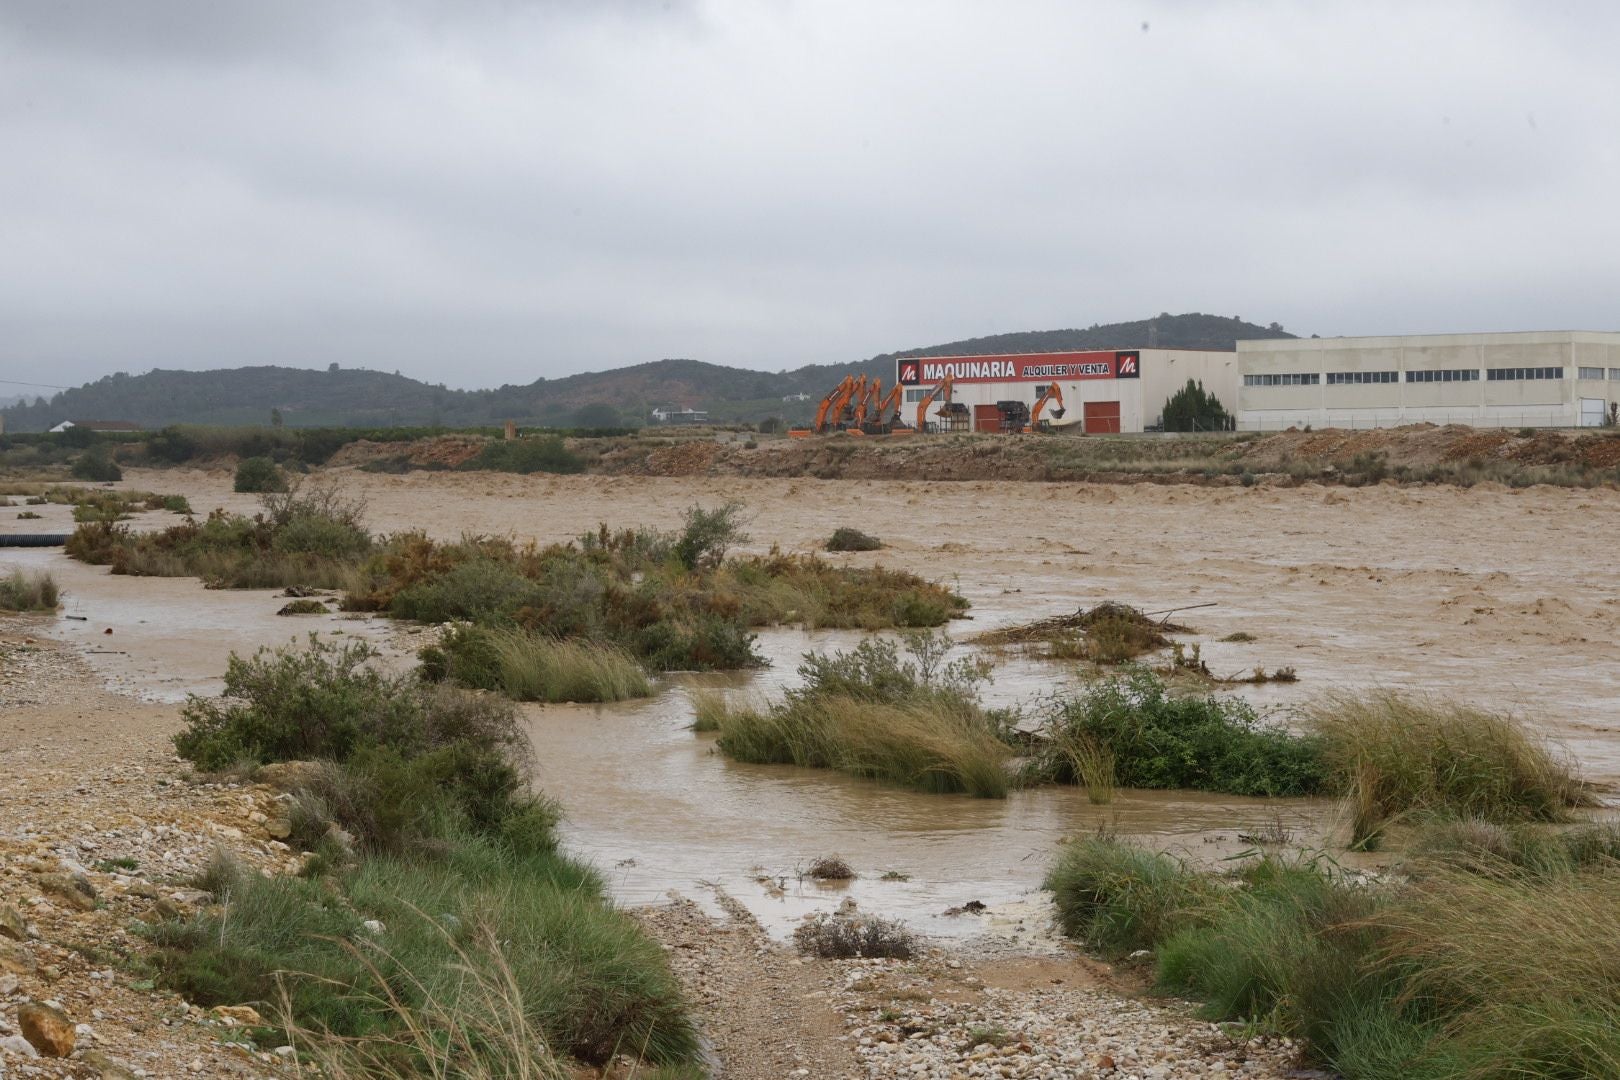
(1507, 599)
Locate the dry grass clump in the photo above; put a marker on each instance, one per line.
(1109, 633)
(841, 937)
(37, 591)
(1393, 755)
(831, 868)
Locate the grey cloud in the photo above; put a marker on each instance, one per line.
(488, 192)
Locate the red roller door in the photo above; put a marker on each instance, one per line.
(1101, 417)
(987, 418)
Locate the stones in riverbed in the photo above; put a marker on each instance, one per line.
(73, 889)
(11, 924)
(47, 1030)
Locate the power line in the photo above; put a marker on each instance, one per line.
(45, 385)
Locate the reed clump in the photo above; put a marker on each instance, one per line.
(870, 713)
(1393, 755)
(526, 666)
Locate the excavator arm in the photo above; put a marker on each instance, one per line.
(890, 405)
(833, 403)
(1053, 393)
(942, 391)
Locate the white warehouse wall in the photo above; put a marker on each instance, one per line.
(1478, 401)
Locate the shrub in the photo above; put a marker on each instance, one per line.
(324, 701)
(259, 475)
(532, 454)
(840, 937)
(36, 591)
(1393, 755)
(847, 539)
(96, 465)
(708, 535)
(302, 607)
(1160, 741)
(1119, 898)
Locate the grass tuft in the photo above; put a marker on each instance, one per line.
(917, 723)
(1393, 755)
(35, 591)
(527, 666)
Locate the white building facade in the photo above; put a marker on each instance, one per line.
(1104, 391)
(1535, 379)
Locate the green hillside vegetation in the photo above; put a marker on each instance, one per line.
(348, 397)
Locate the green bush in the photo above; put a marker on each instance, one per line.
(708, 535)
(96, 465)
(848, 539)
(531, 454)
(1161, 741)
(259, 475)
(325, 701)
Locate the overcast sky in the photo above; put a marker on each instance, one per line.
(479, 193)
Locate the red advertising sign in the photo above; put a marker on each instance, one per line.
(1020, 367)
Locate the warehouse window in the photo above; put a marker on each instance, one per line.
(1515, 374)
(1359, 378)
(914, 396)
(1591, 373)
(1444, 375)
(1296, 378)
(1614, 373)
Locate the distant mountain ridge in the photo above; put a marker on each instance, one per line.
(362, 397)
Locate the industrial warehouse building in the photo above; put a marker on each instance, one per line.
(1103, 392)
(1537, 379)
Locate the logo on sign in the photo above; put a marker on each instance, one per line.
(908, 372)
(1127, 365)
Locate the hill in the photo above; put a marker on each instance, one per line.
(362, 397)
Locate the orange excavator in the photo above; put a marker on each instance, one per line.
(1051, 394)
(942, 392)
(872, 409)
(832, 406)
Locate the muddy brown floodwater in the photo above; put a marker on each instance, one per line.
(1508, 599)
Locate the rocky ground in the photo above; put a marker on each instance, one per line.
(101, 828)
(987, 1010)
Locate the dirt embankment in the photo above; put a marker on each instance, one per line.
(1419, 452)
(1423, 452)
